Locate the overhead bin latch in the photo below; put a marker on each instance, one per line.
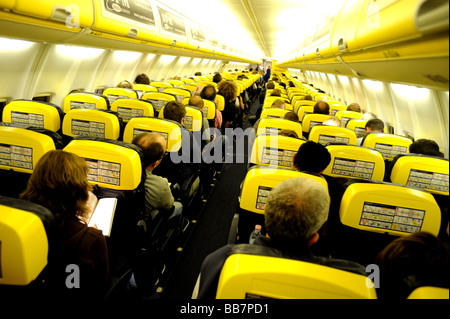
(132, 32)
(174, 42)
(70, 15)
(342, 45)
(318, 53)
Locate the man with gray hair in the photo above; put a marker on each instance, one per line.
(295, 211)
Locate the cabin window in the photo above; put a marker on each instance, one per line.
(100, 90)
(3, 102)
(42, 98)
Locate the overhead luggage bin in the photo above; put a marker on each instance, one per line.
(172, 26)
(132, 18)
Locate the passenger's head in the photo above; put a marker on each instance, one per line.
(197, 102)
(174, 111)
(279, 104)
(368, 116)
(295, 211)
(418, 258)
(208, 93)
(332, 121)
(288, 133)
(308, 98)
(142, 79)
(198, 74)
(322, 107)
(375, 125)
(228, 90)
(312, 157)
(270, 85)
(291, 116)
(125, 85)
(217, 78)
(154, 146)
(425, 147)
(59, 182)
(354, 107)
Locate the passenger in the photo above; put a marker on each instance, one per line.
(308, 98)
(189, 156)
(291, 116)
(267, 75)
(279, 104)
(142, 79)
(59, 182)
(321, 107)
(425, 147)
(288, 133)
(354, 107)
(270, 85)
(198, 74)
(158, 195)
(419, 259)
(125, 85)
(312, 157)
(276, 92)
(368, 116)
(372, 126)
(332, 121)
(295, 211)
(229, 91)
(217, 78)
(209, 93)
(197, 102)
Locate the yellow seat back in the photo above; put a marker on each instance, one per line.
(389, 208)
(32, 113)
(274, 125)
(21, 149)
(311, 120)
(389, 145)
(351, 161)
(144, 88)
(190, 88)
(193, 120)
(161, 85)
(304, 110)
(346, 116)
(301, 103)
(175, 83)
(325, 135)
(268, 101)
(180, 94)
(273, 113)
(169, 129)
(188, 81)
(428, 292)
(358, 126)
(209, 109)
(85, 100)
(158, 100)
(246, 276)
(110, 165)
(24, 245)
(260, 180)
(426, 172)
(220, 102)
(119, 93)
(275, 150)
(337, 108)
(129, 108)
(93, 123)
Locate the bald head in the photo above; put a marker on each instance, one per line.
(322, 108)
(154, 146)
(197, 102)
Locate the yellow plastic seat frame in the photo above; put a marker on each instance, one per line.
(389, 145)
(180, 94)
(193, 121)
(93, 123)
(158, 99)
(275, 150)
(119, 93)
(428, 292)
(346, 116)
(85, 100)
(273, 113)
(311, 120)
(274, 125)
(325, 135)
(129, 108)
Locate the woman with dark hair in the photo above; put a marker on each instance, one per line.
(229, 91)
(78, 263)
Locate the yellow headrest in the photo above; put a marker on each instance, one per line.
(274, 125)
(275, 150)
(350, 161)
(158, 100)
(190, 88)
(346, 116)
(429, 173)
(129, 108)
(188, 81)
(144, 88)
(358, 126)
(119, 93)
(85, 101)
(110, 165)
(303, 110)
(389, 208)
(325, 135)
(94, 123)
(21, 149)
(209, 109)
(175, 83)
(24, 246)
(169, 129)
(220, 102)
(193, 120)
(389, 145)
(273, 112)
(298, 104)
(336, 108)
(161, 85)
(32, 113)
(311, 120)
(260, 180)
(428, 292)
(271, 99)
(180, 94)
(251, 276)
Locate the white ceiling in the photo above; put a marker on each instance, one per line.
(262, 28)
